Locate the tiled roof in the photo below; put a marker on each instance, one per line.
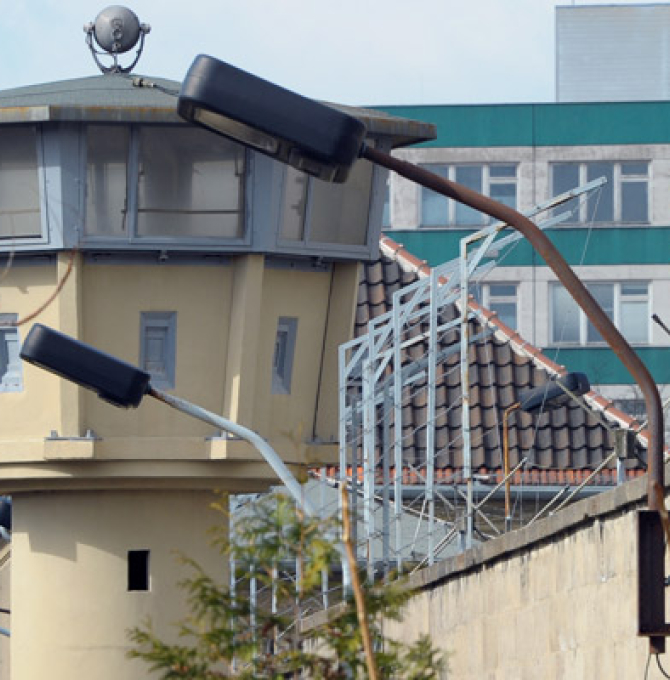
(501, 366)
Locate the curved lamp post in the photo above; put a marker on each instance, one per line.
(325, 142)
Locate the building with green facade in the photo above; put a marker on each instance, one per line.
(617, 238)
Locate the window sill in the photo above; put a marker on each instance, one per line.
(605, 225)
(600, 345)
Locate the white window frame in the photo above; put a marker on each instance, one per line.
(490, 298)
(451, 205)
(11, 380)
(167, 323)
(582, 214)
(618, 298)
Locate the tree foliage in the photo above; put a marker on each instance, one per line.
(230, 634)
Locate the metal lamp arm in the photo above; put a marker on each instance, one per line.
(269, 454)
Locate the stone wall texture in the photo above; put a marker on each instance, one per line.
(557, 599)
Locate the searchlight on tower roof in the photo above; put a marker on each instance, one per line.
(116, 30)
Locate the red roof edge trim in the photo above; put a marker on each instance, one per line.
(408, 262)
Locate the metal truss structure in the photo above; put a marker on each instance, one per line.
(405, 525)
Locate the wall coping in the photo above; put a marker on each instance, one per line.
(617, 501)
(630, 495)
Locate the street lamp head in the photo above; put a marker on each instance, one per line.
(114, 380)
(317, 139)
(555, 393)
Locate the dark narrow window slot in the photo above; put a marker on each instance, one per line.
(138, 570)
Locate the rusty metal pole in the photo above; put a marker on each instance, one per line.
(593, 311)
(508, 504)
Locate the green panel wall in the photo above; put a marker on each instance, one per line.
(609, 123)
(508, 125)
(602, 246)
(543, 124)
(603, 367)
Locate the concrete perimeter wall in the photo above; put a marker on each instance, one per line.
(557, 599)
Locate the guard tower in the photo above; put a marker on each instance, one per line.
(228, 276)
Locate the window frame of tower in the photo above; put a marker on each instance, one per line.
(139, 218)
(617, 302)
(23, 171)
(309, 205)
(492, 179)
(283, 354)
(628, 182)
(11, 373)
(159, 327)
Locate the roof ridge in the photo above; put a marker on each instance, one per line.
(412, 265)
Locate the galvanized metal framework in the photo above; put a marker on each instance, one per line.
(379, 374)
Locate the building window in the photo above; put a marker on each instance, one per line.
(158, 182)
(20, 215)
(107, 147)
(501, 298)
(626, 304)
(158, 342)
(317, 212)
(497, 181)
(190, 184)
(11, 377)
(294, 205)
(623, 199)
(138, 570)
(635, 408)
(282, 362)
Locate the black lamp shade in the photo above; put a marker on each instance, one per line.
(317, 139)
(553, 394)
(114, 380)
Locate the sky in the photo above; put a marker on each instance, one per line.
(357, 52)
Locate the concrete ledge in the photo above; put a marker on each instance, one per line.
(94, 474)
(80, 448)
(232, 449)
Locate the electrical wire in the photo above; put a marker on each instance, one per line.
(660, 667)
(581, 259)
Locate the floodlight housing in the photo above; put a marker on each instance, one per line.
(319, 140)
(113, 380)
(117, 29)
(554, 393)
